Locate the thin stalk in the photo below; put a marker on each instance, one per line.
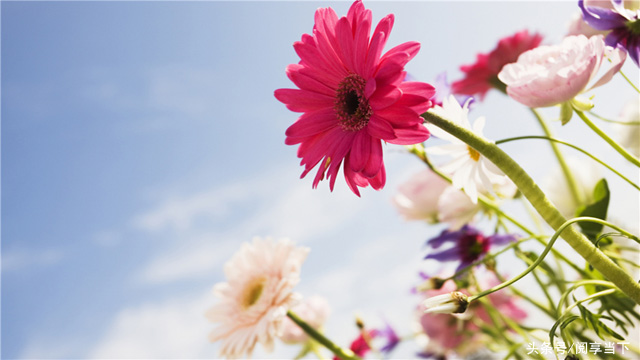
(540, 258)
(578, 197)
(314, 334)
(634, 123)
(574, 147)
(609, 140)
(541, 203)
(527, 297)
(629, 81)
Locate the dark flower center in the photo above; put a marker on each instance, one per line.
(471, 246)
(352, 107)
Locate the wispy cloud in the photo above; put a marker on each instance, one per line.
(19, 259)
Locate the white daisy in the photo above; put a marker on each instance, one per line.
(255, 299)
(469, 170)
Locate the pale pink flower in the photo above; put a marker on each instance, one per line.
(314, 311)
(352, 98)
(417, 199)
(456, 209)
(552, 75)
(255, 299)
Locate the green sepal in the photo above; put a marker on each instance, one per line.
(566, 112)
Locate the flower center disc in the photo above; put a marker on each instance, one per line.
(352, 108)
(252, 292)
(475, 155)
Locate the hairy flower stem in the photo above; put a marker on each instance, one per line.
(578, 197)
(315, 335)
(543, 206)
(609, 140)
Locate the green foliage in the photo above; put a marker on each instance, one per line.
(597, 209)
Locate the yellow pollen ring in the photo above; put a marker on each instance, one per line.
(473, 153)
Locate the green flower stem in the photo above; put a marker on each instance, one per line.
(634, 123)
(629, 81)
(578, 284)
(574, 147)
(578, 197)
(526, 297)
(419, 151)
(609, 140)
(565, 225)
(315, 335)
(543, 206)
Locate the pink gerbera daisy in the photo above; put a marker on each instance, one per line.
(352, 97)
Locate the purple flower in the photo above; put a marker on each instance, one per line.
(392, 338)
(469, 245)
(623, 23)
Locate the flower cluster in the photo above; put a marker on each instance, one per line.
(353, 98)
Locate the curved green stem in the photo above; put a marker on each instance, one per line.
(578, 284)
(541, 203)
(609, 140)
(578, 197)
(573, 147)
(315, 335)
(629, 81)
(631, 123)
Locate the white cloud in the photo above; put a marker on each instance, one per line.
(18, 259)
(175, 328)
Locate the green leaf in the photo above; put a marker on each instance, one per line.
(597, 209)
(593, 321)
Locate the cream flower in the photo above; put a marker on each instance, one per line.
(255, 299)
(629, 135)
(586, 175)
(314, 311)
(469, 170)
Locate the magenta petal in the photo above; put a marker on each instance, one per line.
(418, 88)
(345, 39)
(379, 180)
(410, 136)
(385, 97)
(305, 82)
(303, 100)
(390, 67)
(370, 88)
(379, 128)
(399, 116)
(375, 160)
(411, 48)
(360, 150)
(361, 44)
(311, 123)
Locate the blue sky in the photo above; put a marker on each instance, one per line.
(142, 144)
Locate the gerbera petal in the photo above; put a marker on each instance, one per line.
(360, 151)
(410, 136)
(303, 100)
(312, 123)
(384, 97)
(345, 40)
(378, 181)
(374, 163)
(379, 128)
(305, 82)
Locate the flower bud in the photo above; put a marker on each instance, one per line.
(452, 303)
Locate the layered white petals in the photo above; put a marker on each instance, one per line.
(258, 292)
(470, 171)
(417, 199)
